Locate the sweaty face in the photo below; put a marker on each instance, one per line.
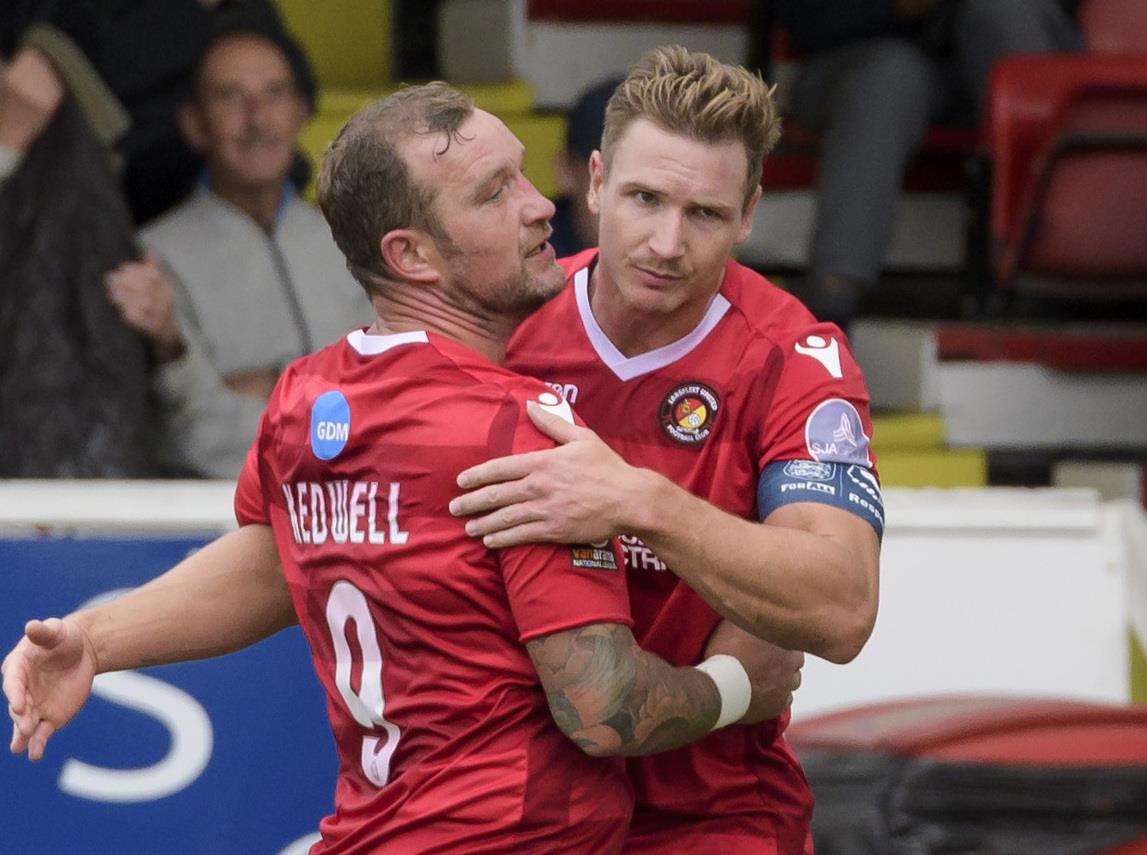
(247, 113)
(671, 210)
(496, 257)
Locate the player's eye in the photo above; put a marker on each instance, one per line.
(644, 197)
(497, 194)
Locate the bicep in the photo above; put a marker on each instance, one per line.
(853, 533)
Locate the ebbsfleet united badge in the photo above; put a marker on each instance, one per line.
(688, 412)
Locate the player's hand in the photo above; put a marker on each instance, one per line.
(144, 297)
(47, 678)
(578, 492)
(774, 672)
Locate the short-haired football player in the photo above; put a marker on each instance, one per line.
(722, 403)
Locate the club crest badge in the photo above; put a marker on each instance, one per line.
(688, 413)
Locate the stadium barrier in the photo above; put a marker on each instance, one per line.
(1026, 592)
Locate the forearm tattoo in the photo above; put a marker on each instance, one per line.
(613, 698)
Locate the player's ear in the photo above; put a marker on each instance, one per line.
(596, 177)
(409, 254)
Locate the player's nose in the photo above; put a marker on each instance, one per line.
(537, 208)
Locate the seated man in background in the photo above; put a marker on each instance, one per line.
(243, 276)
(872, 79)
(575, 226)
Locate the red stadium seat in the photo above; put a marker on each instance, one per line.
(1067, 137)
(978, 774)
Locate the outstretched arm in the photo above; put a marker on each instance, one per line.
(614, 699)
(226, 596)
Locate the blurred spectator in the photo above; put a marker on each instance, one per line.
(128, 63)
(73, 378)
(575, 228)
(243, 276)
(874, 75)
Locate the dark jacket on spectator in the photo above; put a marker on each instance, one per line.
(73, 378)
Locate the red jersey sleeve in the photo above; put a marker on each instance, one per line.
(551, 587)
(819, 408)
(250, 503)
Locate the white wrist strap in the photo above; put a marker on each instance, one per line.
(732, 685)
(10, 160)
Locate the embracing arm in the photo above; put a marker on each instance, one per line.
(614, 699)
(805, 580)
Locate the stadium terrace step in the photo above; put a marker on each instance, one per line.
(562, 47)
(1086, 348)
(911, 452)
(348, 42)
(950, 467)
(907, 431)
(1071, 386)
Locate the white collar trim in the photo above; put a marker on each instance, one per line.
(372, 345)
(628, 367)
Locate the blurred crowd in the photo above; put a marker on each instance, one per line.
(158, 267)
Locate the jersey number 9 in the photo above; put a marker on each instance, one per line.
(367, 705)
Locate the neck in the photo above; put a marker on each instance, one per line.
(260, 202)
(634, 330)
(403, 307)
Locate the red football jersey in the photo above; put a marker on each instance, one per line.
(749, 387)
(445, 740)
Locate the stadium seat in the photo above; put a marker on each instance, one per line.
(977, 774)
(1067, 139)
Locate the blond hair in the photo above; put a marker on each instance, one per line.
(693, 94)
(365, 185)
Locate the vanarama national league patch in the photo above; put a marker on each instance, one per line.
(593, 556)
(688, 413)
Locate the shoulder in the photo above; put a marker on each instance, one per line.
(768, 311)
(784, 325)
(498, 396)
(484, 376)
